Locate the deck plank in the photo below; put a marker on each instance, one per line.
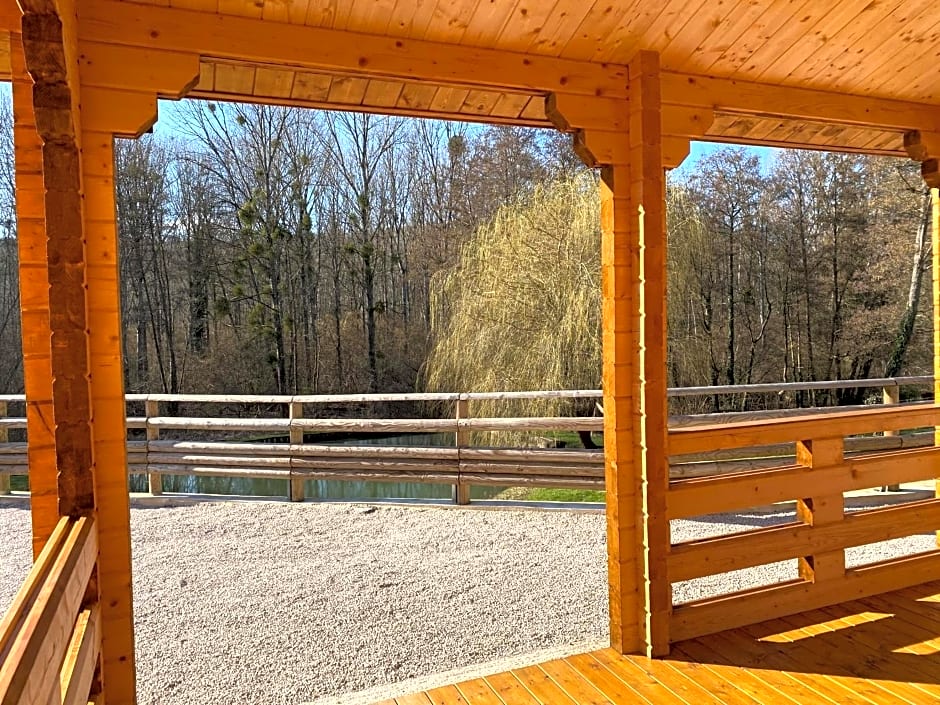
(574, 683)
(478, 692)
(510, 689)
(446, 695)
(541, 686)
(872, 651)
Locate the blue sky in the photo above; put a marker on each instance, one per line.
(169, 110)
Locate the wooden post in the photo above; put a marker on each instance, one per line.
(4, 437)
(648, 213)
(34, 302)
(461, 493)
(296, 485)
(154, 480)
(935, 262)
(891, 395)
(633, 281)
(821, 510)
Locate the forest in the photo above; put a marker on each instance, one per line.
(280, 250)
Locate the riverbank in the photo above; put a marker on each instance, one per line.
(272, 602)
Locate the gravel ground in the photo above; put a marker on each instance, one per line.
(283, 603)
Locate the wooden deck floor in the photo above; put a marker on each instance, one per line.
(882, 649)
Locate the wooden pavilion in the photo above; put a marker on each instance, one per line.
(634, 81)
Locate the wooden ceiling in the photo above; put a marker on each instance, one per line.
(881, 49)
(886, 48)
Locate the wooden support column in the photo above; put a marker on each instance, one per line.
(648, 218)
(628, 144)
(935, 257)
(822, 509)
(34, 302)
(68, 105)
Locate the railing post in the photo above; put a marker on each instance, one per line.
(154, 480)
(891, 395)
(296, 484)
(461, 440)
(821, 510)
(4, 478)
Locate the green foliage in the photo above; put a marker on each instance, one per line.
(521, 308)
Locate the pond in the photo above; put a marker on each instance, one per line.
(316, 489)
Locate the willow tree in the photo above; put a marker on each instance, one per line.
(521, 308)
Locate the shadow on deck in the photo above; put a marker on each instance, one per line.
(883, 649)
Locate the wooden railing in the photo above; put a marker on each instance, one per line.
(167, 445)
(821, 531)
(50, 637)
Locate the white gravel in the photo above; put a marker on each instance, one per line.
(273, 602)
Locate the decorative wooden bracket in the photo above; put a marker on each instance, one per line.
(924, 147)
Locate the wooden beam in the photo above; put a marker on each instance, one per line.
(34, 303)
(751, 606)
(743, 490)
(648, 226)
(749, 98)
(721, 554)
(224, 36)
(764, 432)
(935, 294)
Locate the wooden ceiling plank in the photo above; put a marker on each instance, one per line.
(860, 65)
(840, 15)
(206, 76)
(409, 15)
(382, 93)
(847, 41)
(211, 35)
(240, 8)
(236, 79)
(534, 109)
(274, 82)
(733, 27)
(450, 21)
(423, 18)
(479, 102)
(341, 13)
(373, 17)
(681, 43)
(200, 5)
(776, 16)
(783, 39)
(347, 90)
(487, 21)
(321, 13)
(643, 17)
(448, 99)
(293, 11)
(311, 86)
(603, 20)
(916, 75)
(553, 35)
(417, 96)
(510, 105)
(525, 23)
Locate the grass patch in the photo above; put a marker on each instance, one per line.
(549, 494)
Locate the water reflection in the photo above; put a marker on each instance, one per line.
(325, 489)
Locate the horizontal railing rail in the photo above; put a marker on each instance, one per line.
(206, 444)
(816, 478)
(50, 638)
